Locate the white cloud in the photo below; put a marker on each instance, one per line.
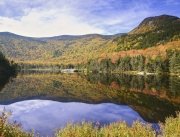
(46, 23)
(49, 18)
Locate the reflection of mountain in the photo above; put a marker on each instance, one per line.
(157, 85)
(153, 106)
(60, 87)
(153, 97)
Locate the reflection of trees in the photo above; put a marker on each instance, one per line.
(157, 83)
(149, 95)
(137, 83)
(138, 92)
(7, 70)
(5, 79)
(150, 84)
(174, 87)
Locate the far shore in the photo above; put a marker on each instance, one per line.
(143, 73)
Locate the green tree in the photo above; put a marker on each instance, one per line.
(174, 62)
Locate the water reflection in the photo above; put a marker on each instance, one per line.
(153, 97)
(5, 79)
(45, 115)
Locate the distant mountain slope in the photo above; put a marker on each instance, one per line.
(75, 37)
(8, 34)
(59, 49)
(151, 32)
(157, 23)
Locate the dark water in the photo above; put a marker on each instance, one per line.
(45, 100)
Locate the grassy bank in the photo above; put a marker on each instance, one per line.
(171, 128)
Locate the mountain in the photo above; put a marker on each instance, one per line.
(157, 23)
(153, 35)
(64, 49)
(152, 31)
(75, 37)
(58, 49)
(8, 34)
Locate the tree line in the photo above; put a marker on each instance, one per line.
(39, 66)
(158, 64)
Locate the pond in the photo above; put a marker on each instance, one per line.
(45, 100)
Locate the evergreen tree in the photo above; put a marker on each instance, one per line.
(174, 62)
(141, 62)
(149, 66)
(158, 64)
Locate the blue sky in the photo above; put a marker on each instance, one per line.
(42, 18)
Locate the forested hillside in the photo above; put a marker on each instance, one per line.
(60, 49)
(152, 31)
(138, 64)
(152, 47)
(154, 36)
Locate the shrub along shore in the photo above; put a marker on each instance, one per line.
(170, 128)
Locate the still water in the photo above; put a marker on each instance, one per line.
(45, 115)
(44, 100)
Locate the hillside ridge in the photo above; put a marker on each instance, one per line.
(61, 37)
(153, 23)
(74, 49)
(151, 32)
